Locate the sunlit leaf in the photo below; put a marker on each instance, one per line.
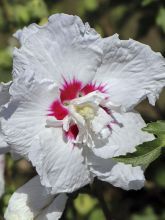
(91, 4)
(37, 8)
(118, 12)
(5, 58)
(84, 203)
(148, 214)
(97, 214)
(157, 128)
(160, 20)
(21, 14)
(147, 2)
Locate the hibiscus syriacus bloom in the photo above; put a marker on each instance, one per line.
(71, 103)
(32, 201)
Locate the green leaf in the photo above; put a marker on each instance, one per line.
(157, 128)
(21, 14)
(5, 58)
(97, 214)
(84, 203)
(147, 2)
(148, 214)
(37, 9)
(149, 151)
(160, 20)
(91, 5)
(159, 176)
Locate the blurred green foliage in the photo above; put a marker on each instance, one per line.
(143, 20)
(147, 214)
(161, 18)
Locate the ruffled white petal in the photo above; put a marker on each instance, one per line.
(126, 134)
(4, 148)
(28, 201)
(32, 201)
(63, 48)
(100, 121)
(4, 98)
(4, 93)
(25, 116)
(59, 163)
(54, 210)
(117, 174)
(132, 71)
(2, 181)
(126, 177)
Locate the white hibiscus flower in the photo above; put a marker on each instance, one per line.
(72, 99)
(32, 201)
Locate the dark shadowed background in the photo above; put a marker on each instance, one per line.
(143, 20)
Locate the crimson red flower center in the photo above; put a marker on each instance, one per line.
(69, 91)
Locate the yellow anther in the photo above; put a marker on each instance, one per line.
(86, 111)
